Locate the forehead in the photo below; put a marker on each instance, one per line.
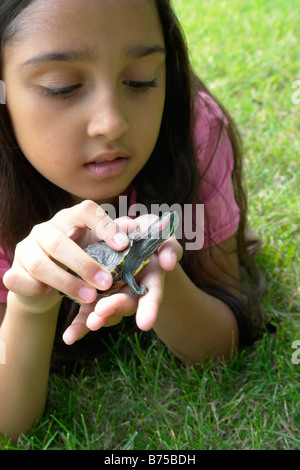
(63, 20)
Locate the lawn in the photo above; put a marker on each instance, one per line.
(138, 396)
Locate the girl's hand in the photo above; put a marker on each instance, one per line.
(41, 261)
(110, 310)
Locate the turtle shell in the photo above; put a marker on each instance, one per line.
(111, 260)
(124, 265)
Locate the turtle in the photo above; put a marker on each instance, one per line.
(126, 264)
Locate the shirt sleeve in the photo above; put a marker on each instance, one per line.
(4, 266)
(215, 164)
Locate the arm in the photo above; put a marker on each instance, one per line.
(192, 323)
(28, 328)
(28, 340)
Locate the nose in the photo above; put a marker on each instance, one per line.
(107, 117)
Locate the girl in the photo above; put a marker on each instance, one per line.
(101, 102)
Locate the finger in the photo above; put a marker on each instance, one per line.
(109, 321)
(119, 305)
(78, 329)
(41, 268)
(68, 253)
(88, 214)
(60, 248)
(123, 304)
(19, 281)
(127, 224)
(148, 305)
(169, 254)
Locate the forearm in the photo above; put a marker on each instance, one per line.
(194, 324)
(28, 340)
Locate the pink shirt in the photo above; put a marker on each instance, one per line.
(221, 213)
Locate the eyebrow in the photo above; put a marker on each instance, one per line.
(138, 52)
(59, 56)
(134, 51)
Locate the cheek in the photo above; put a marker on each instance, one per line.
(41, 141)
(29, 127)
(36, 128)
(149, 123)
(37, 142)
(43, 147)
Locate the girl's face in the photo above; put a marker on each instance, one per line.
(85, 89)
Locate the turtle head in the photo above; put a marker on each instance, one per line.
(144, 246)
(159, 231)
(164, 227)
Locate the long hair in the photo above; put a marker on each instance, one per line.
(170, 176)
(26, 197)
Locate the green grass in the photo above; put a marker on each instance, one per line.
(140, 397)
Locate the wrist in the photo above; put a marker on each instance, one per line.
(34, 305)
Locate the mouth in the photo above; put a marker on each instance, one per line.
(109, 156)
(108, 165)
(96, 162)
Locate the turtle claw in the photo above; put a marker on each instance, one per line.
(140, 291)
(126, 264)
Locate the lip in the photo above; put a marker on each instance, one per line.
(109, 156)
(108, 164)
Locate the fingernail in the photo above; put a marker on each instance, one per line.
(68, 338)
(103, 280)
(120, 239)
(86, 294)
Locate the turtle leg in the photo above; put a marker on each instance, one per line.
(134, 288)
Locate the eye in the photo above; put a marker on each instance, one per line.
(141, 87)
(61, 93)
